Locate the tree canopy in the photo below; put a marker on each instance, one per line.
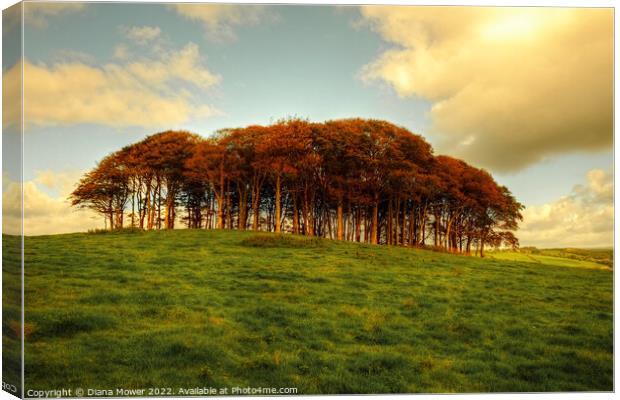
(352, 179)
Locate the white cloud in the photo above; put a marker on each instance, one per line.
(63, 182)
(38, 14)
(142, 34)
(584, 218)
(45, 213)
(220, 20)
(121, 52)
(149, 92)
(508, 86)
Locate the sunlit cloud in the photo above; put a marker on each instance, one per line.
(38, 14)
(220, 20)
(508, 87)
(47, 209)
(156, 91)
(121, 52)
(584, 217)
(142, 34)
(11, 98)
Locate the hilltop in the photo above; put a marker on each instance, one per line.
(194, 308)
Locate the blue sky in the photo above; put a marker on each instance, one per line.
(303, 63)
(265, 63)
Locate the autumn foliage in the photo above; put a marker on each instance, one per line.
(354, 179)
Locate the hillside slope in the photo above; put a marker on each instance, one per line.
(205, 308)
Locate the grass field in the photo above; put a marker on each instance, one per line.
(544, 259)
(568, 257)
(11, 313)
(205, 308)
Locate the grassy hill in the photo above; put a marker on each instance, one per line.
(206, 308)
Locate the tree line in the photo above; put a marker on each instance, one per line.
(354, 179)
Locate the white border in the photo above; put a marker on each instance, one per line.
(551, 3)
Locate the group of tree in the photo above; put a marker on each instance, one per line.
(354, 179)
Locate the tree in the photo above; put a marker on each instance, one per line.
(350, 179)
(105, 190)
(207, 167)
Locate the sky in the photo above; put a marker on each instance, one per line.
(526, 93)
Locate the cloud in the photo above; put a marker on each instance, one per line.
(219, 20)
(121, 52)
(45, 213)
(62, 182)
(508, 86)
(11, 97)
(142, 34)
(38, 14)
(151, 92)
(64, 55)
(583, 218)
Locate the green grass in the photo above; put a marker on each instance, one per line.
(11, 312)
(556, 258)
(600, 256)
(207, 308)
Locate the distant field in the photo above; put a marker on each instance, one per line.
(192, 308)
(551, 257)
(601, 256)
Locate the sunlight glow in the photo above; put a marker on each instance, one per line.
(515, 26)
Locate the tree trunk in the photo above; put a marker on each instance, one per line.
(358, 225)
(396, 212)
(328, 217)
(375, 223)
(147, 205)
(210, 213)
(295, 216)
(243, 208)
(305, 213)
(219, 198)
(111, 216)
(436, 230)
(151, 222)
(278, 216)
(388, 230)
(447, 243)
(159, 205)
(423, 230)
(347, 228)
(366, 227)
(169, 212)
(256, 209)
(229, 214)
(133, 205)
(413, 231)
(340, 223)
